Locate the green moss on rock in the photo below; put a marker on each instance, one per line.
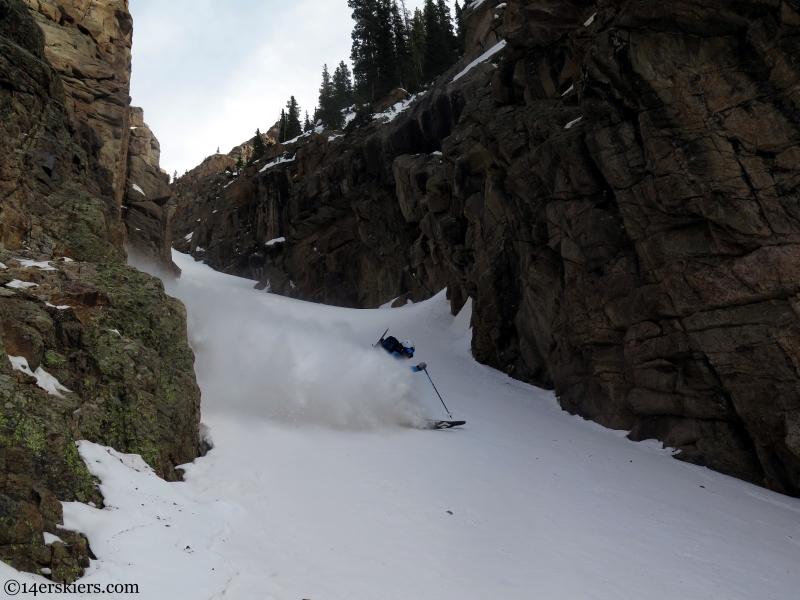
(83, 225)
(54, 360)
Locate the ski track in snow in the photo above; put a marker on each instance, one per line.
(315, 490)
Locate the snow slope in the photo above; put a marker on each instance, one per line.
(320, 487)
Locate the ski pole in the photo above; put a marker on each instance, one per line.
(437, 392)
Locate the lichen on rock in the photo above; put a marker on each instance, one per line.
(77, 315)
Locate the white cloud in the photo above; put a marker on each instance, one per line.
(208, 72)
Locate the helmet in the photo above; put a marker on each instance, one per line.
(408, 347)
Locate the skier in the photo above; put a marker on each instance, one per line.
(398, 349)
(405, 351)
(402, 351)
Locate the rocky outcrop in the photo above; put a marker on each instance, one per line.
(244, 152)
(89, 347)
(88, 42)
(618, 196)
(117, 346)
(481, 27)
(147, 220)
(211, 168)
(41, 152)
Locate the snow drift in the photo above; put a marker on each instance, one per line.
(524, 502)
(261, 358)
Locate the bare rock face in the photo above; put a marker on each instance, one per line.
(147, 191)
(618, 195)
(88, 42)
(480, 25)
(71, 307)
(244, 152)
(40, 153)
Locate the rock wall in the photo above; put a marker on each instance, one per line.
(147, 220)
(617, 193)
(69, 306)
(88, 42)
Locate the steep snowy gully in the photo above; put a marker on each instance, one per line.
(320, 485)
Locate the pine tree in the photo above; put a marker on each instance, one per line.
(327, 106)
(282, 128)
(449, 34)
(386, 56)
(342, 87)
(440, 41)
(433, 42)
(259, 147)
(417, 37)
(307, 126)
(460, 32)
(402, 50)
(335, 95)
(363, 49)
(342, 92)
(239, 163)
(175, 176)
(373, 52)
(293, 126)
(217, 149)
(391, 50)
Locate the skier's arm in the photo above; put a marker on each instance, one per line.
(419, 368)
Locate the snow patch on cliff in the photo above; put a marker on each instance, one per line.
(44, 380)
(482, 58)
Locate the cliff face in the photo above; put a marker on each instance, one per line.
(147, 221)
(618, 194)
(70, 308)
(88, 42)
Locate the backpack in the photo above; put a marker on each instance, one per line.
(392, 345)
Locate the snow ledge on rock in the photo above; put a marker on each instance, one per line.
(482, 58)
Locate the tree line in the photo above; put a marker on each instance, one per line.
(392, 48)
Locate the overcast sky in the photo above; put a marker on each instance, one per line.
(208, 72)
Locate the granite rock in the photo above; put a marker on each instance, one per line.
(110, 336)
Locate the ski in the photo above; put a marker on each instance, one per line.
(445, 424)
(382, 337)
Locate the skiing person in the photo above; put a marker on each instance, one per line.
(405, 350)
(402, 351)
